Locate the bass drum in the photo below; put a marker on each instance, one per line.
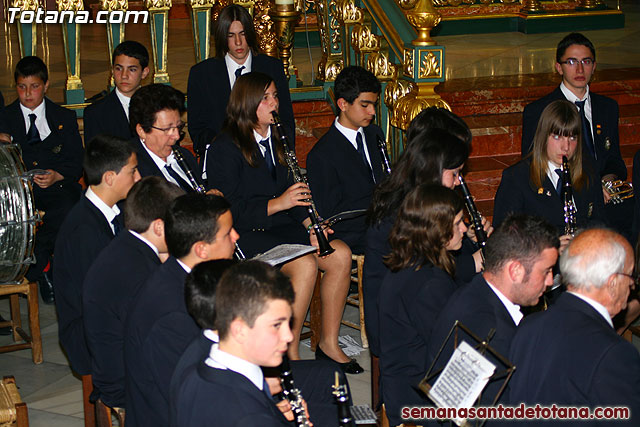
(17, 216)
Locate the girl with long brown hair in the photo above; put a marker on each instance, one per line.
(247, 164)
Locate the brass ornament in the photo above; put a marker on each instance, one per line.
(429, 66)
(422, 16)
(334, 25)
(71, 5)
(25, 4)
(113, 5)
(201, 4)
(363, 40)
(394, 91)
(378, 63)
(349, 12)
(408, 63)
(410, 105)
(157, 4)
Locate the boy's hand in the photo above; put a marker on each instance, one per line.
(47, 180)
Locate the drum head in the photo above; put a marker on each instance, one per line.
(17, 216)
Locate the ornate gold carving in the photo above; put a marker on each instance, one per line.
(157, 4)
(334, 25)
(285, 21)
(393, 92)
(112, 5)
(531, 6)
(378, 63)
(329, 70)
(411, 104)
(363, 40)
(423, 17)
(73, 5)
(429, 66)
(589, 4)
(349, 13)
(264, 25)
(408, 63)
(25, 4)
(202, 3)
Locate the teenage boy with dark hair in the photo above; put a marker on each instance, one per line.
(110, 115)
(314, 378)
(211, 81)
(110, 169)
(49, 138)
(114, 279)
(345, 164)
(198, 228)
(253, 311)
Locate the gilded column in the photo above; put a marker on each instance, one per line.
(264, 25)
(331, 36)
(73, 92)
(350, 15)
(201, 26)
(285, 16)
(115, 32)
(159, 12)
(27, 36)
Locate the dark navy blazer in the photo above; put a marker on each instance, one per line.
(106, 116)
(158, 330)
(569, 355)
(208, 91)
(340, 181)
(84, 233)
(110, 286)
(605, 131)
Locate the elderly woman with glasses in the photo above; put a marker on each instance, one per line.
(155, 116)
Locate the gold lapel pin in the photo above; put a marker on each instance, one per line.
(59, 127)
(540, 190)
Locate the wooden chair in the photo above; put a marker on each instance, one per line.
(88, 408)
(356, 300)
(33, 341)
(13, 411)
(105, 415)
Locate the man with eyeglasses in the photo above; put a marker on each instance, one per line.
(155, 115)
(571, 354)
(576, 63)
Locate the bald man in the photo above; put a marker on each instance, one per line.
(571, 354)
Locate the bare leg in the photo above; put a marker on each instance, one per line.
(302, 272)
(333, 293)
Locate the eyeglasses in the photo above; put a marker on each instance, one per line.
(170, 129)
(572, 62)
(635, 279)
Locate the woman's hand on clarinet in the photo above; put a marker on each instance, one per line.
(296, 195)
(488, 229)
(313, 239)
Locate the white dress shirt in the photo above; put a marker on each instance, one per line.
(109, 212)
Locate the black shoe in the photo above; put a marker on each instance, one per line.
(45, 284)
(350, 367)
(5, 330)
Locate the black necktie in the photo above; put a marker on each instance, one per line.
(116, 226)
(268, 158)
(559, 183)
(265, 389)
(239, 71)
(33, 136)
(181, 182)
(586, 129)
(362, 153)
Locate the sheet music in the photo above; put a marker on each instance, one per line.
(462, 380)
(284, 253)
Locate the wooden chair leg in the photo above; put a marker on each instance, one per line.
(88, 407)
(14, 304)
(375, 382)
(315, 314)
(22, 415)
(34, 323)
(363, 330)
(103, 414)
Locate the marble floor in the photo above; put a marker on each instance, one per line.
(51, 391)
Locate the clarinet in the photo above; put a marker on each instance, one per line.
(386, 164)
(293, 395)
(185, 167)
(199, 188)
(569, 207)
(345, 419)
(292, 162)
(476, 218)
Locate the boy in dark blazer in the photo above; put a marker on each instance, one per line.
(110, 115)
(110, 168)
(115, 278)
(253, 311)
(198, 228)
(210, 81)
(50, 142)
(345, 164)
(571, 355)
